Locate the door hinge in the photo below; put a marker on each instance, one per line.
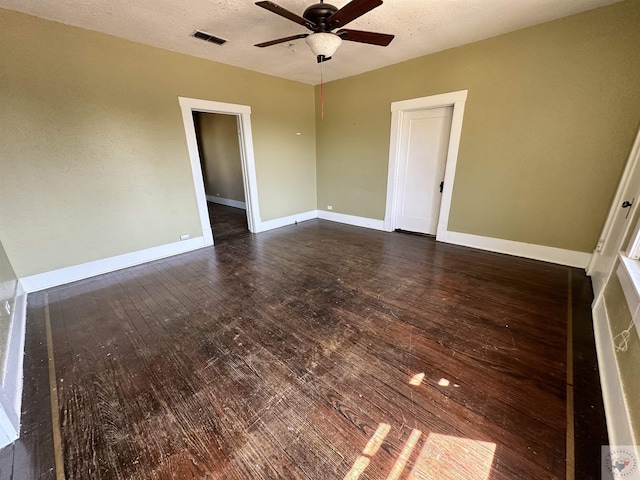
(441, 186)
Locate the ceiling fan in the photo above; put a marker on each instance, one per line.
(321, 18)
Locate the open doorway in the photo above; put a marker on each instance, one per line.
(242, 113)
(220, 155)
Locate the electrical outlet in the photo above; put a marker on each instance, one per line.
(329, 207)
(186, 236)
(7, 307)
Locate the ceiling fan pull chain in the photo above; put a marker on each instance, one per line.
(321, 92)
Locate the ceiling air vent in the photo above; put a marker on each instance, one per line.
(208, 37)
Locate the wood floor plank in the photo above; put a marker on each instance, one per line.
(6, 462)
(297, 354)
(227, 223)
(33, 456)
(589, 419)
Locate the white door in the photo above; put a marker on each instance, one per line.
(424, 143)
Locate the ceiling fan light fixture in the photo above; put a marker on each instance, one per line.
(323, 45)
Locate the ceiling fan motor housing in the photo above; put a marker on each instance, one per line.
(318, 14)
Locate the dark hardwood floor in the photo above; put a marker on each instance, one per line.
(31, 456)
(589, 419)
(227, 223)
(315, 351)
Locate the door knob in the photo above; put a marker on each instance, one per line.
(627, 204)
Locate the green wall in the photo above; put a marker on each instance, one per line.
(550, 118)
(95, 162)
(220, 155)
(94, 157)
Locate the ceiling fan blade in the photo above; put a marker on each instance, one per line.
(351, 11)
(372, 38)
(283, 12)
(281, 40)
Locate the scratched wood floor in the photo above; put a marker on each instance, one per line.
(227, 223)
(316, 351)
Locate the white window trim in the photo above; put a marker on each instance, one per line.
(629, 275)
(633, 249)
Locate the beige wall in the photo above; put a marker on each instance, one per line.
(95, 164)
(220, 155)
(94, 159)
(550, 118)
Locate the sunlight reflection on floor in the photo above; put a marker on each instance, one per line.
(416, 379)
(369, 451)
(404, 456)
(442, 457)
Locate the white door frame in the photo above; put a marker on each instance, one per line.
(456, 100)
(616, 226)
(243, 112)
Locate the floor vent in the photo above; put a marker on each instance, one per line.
(207, 37)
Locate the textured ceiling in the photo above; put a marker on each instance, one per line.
(420, 26)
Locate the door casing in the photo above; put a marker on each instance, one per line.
(243, 112)
(456, 100)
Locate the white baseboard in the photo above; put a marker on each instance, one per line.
(65, 275)
(11, 389)
(7, 432)
(616, 410)
(227, 201)
(15, 360)
(331, 216)
(74, 273)
(351, 220)
(284, 221)
(519, 249)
